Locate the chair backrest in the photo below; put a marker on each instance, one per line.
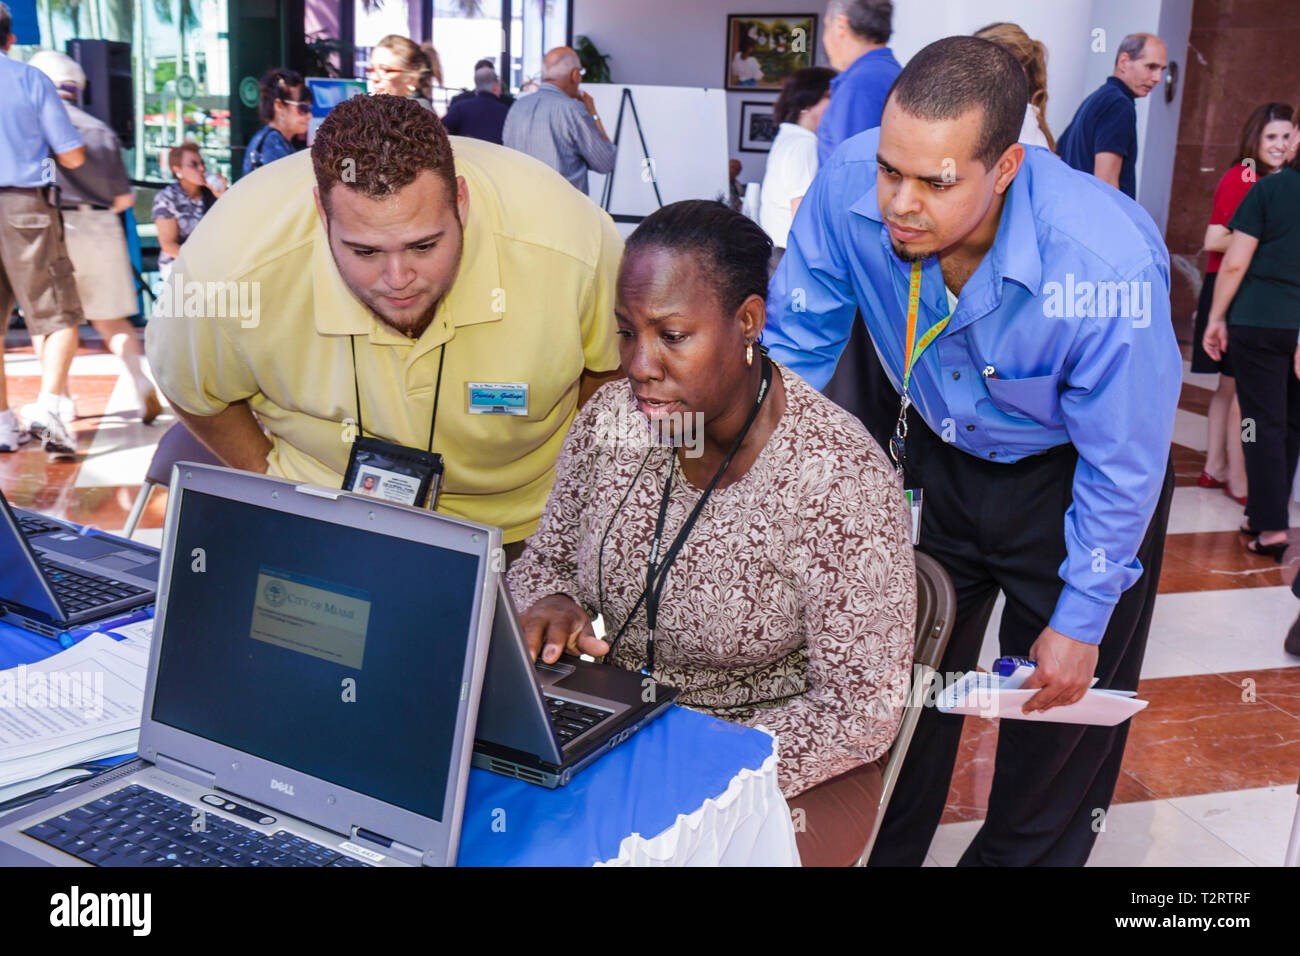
(177, 444)
(936, 603)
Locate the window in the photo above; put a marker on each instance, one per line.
(173, 42)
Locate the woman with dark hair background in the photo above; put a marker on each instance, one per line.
(1255, 316)
(1261, 150)
(783, 588)
(792, 162)
(286, 110)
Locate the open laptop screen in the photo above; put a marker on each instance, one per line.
(335, 651)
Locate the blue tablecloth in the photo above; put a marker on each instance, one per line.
(669, 768)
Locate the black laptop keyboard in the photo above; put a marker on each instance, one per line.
(572, 719)
(31, 525)
(137, 826)
(78, 591)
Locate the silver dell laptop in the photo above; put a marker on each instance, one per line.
(311, 693)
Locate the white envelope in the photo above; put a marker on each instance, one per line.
(980, 694)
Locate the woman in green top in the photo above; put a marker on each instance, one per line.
(1256, 316)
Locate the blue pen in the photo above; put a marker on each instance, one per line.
(70, 637)
(1006, 666)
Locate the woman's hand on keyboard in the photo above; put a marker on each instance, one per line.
(557, 624)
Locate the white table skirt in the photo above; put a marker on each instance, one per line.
(747, 825)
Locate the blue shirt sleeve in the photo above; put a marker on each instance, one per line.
(811, 303)
(1122, 382)
(1116, 131)
(57, 126)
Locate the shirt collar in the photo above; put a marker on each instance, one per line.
(860, 64)
(1015, 253)
(546, 86)
(471, 300)
(1121, 86)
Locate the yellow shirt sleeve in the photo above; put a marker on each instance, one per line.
(599, 338)
(190, 351)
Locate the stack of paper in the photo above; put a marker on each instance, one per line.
(80, 705)
(981, 694)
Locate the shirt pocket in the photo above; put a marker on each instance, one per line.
(1037, 399)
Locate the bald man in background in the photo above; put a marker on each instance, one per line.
(558, 124)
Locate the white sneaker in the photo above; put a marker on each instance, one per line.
(48, 426)
(12, 432)
(68, 408)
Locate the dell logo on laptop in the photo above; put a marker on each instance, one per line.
(281, 786)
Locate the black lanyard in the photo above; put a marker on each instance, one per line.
(657, 571)
(437, 391)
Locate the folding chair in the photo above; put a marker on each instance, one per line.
(936, 604)
(176, 444)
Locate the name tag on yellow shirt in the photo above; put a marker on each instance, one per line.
(498, 398)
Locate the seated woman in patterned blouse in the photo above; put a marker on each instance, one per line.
(791, 601)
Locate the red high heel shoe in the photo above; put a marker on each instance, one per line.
(1241, 501)
(1205, 481)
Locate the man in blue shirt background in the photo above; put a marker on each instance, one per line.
(483, 115)
(855, 35)
(34, 265)
(1040, 423)
(1102, 137)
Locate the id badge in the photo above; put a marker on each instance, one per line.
(382, 469)
(914, 506)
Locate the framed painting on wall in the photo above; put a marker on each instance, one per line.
(763, 49)
(757, 127)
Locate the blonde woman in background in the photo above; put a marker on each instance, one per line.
(435, 71)
(1032, 56)
(399, 67)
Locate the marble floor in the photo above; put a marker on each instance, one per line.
(1210, 772)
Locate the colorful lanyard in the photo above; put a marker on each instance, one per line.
(911, 354)
(657, 571)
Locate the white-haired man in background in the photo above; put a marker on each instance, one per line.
(558, 124)
(92, 198)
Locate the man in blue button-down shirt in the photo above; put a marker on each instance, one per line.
(855, 38)
(1041, 422)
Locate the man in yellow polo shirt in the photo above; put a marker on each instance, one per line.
(404, 272)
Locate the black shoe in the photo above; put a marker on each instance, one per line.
(1274, 551)
(1292, 643)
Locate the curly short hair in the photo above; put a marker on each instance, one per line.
(380, 144)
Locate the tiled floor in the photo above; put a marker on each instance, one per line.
(1209, 776)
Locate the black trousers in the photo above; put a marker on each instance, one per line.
(1269, 393)
(997, 527)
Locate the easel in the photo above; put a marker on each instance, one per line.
(607, 194)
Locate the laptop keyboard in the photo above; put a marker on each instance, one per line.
(31, 525)
(78, 591)
(137, 826)
(572, 719)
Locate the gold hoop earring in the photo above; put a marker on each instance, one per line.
(749, 354)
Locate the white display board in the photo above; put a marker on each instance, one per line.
(685, 129)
